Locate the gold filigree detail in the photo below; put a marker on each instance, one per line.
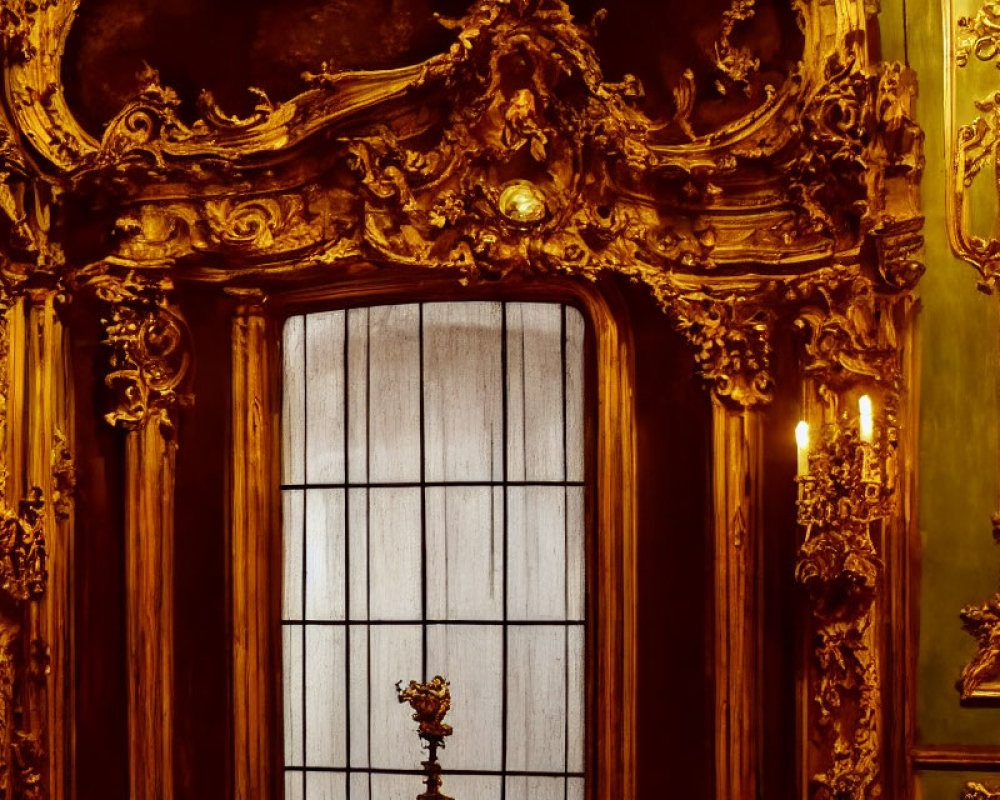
(23, 569)
(979, 35)
(430, 702)
(63, 475)
(737, 64)
(731, 335)
(850, 327)
(150, 347)
(979, 791)
(983, 623)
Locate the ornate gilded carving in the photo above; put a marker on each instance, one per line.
(731, 335)
(983, 623)
(430, 702)
(735, 63)
(63, 475)
(850, 329)
(511, 155)
(150, 348)
(979, 35)
(979, 791)
(848, 488)
(23, 570)
(971, 146)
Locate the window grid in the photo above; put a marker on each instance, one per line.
(305, 623)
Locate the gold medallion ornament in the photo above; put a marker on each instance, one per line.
(522, 202)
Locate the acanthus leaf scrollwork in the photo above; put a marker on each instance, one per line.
(149, 343)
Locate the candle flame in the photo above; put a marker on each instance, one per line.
(867, 420)
(802, 435)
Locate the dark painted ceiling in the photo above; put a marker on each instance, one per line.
(227, 45)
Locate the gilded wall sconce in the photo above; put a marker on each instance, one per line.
(845, 487)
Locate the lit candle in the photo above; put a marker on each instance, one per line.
(802, 442)
(867, 421)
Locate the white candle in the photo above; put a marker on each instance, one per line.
(867, 421)
(802, 443)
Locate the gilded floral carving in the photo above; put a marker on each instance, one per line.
(149, 360)
(23, 570)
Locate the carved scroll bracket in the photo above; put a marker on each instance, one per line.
(731, 333)
(150, 346)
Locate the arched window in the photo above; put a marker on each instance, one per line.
(434, 523)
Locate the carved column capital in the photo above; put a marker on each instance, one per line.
(150, 347)
(731, 334)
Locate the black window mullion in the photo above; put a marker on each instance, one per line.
(368, 531)
(305, 527)
(503, 464)
(565, 454)
(347, 563)
(423, 504)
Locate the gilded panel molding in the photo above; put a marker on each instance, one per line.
(971, 146)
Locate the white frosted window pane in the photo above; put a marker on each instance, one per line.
(575, 330)
(471, 658)
(536, 698)
(465, 552)
(574, 789)
(325, 706)
(394, 384)
(536, 552)
(291, 538)
(534, 392)
(576, 590)
(325, 397)
(291, 695)
(325, 554)
(462, 391)
(293, 414)
(394, 554)
(357, 394)
(358, 665)
(402, 787)
(293, 786)
(470, 787)
(325, 786)
(396, 656)
(575, 699)
(361, 784)
(357, 510)
(531, 788)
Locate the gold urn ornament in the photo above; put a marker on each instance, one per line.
(430, 702)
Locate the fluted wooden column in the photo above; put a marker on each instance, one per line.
(149, 572)
(255, 553)
(150, 356)
(738, 460)
(49, 469)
